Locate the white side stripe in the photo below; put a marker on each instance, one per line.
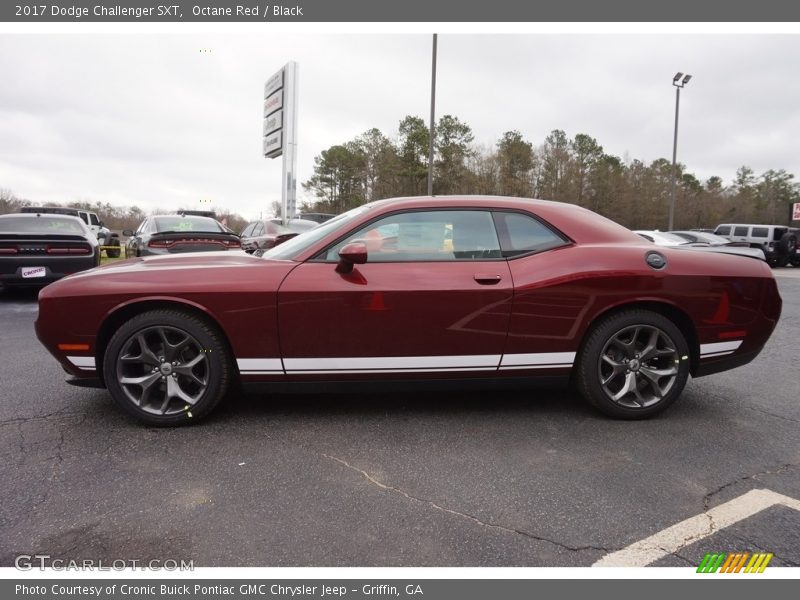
(84, 363)
(540, 361)
(715, 354)
(259, 365)
(392, 363)
(371, 371)
(716, 348)
(407, 364)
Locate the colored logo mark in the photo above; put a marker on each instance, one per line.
(735, 562)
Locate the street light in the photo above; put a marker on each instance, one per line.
(433, 111)
(678, 83)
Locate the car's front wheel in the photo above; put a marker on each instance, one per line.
(633, 365)
(167, 367)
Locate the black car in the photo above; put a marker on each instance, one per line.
(37, 248)
(169, 234)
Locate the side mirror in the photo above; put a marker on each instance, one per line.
(352, 254)
(127, 233)
(101, 224)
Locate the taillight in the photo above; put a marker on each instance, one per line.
(233, 243)
(68, 250)
(160, 243)
(8, 251)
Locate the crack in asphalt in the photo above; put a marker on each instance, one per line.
(772, 414)
(688, 541)
(771, 471)
(676, 554)
(56, 415)
(388, 488)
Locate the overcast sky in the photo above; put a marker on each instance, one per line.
(152, 121)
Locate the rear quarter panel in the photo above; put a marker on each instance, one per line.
(560, 293)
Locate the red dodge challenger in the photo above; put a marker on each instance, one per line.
(477, 289)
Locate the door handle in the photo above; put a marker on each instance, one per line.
(487, 278)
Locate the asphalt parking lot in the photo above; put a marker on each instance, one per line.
(472, 478)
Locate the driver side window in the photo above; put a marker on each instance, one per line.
(436, 235)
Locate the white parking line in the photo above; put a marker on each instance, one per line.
(696, 528)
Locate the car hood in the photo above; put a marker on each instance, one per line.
(192, 260)
(227, 271)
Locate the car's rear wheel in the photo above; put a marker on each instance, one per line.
(633, 365)
(167, 367)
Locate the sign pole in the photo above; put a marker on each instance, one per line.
(289, 192)
(280, 132)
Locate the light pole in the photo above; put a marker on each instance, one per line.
(678, 81)
(433, 111)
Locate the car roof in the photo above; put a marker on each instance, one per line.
(748, 225)
(49, 215)
(578, 224)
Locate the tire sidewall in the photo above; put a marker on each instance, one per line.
(219, 368)
(588, 376)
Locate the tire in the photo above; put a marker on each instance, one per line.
(612, 363)
(115, 252)
(786, 244)
(182, 363)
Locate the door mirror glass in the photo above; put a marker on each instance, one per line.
(351, 254)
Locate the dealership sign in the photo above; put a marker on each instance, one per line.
(796, 211)
(273, 114)
(279, 131)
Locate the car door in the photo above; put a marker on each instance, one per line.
(433, 297)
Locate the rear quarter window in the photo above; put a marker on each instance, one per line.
(522, 234)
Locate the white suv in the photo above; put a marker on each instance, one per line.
(777, 241)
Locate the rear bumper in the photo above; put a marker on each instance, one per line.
(55, 267)
(725, 363)
(86, 382)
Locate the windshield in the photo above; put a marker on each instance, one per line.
(187, 223)
(42, 224)
(288, 250)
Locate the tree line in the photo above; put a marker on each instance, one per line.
(576, 169)
(373, 166)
